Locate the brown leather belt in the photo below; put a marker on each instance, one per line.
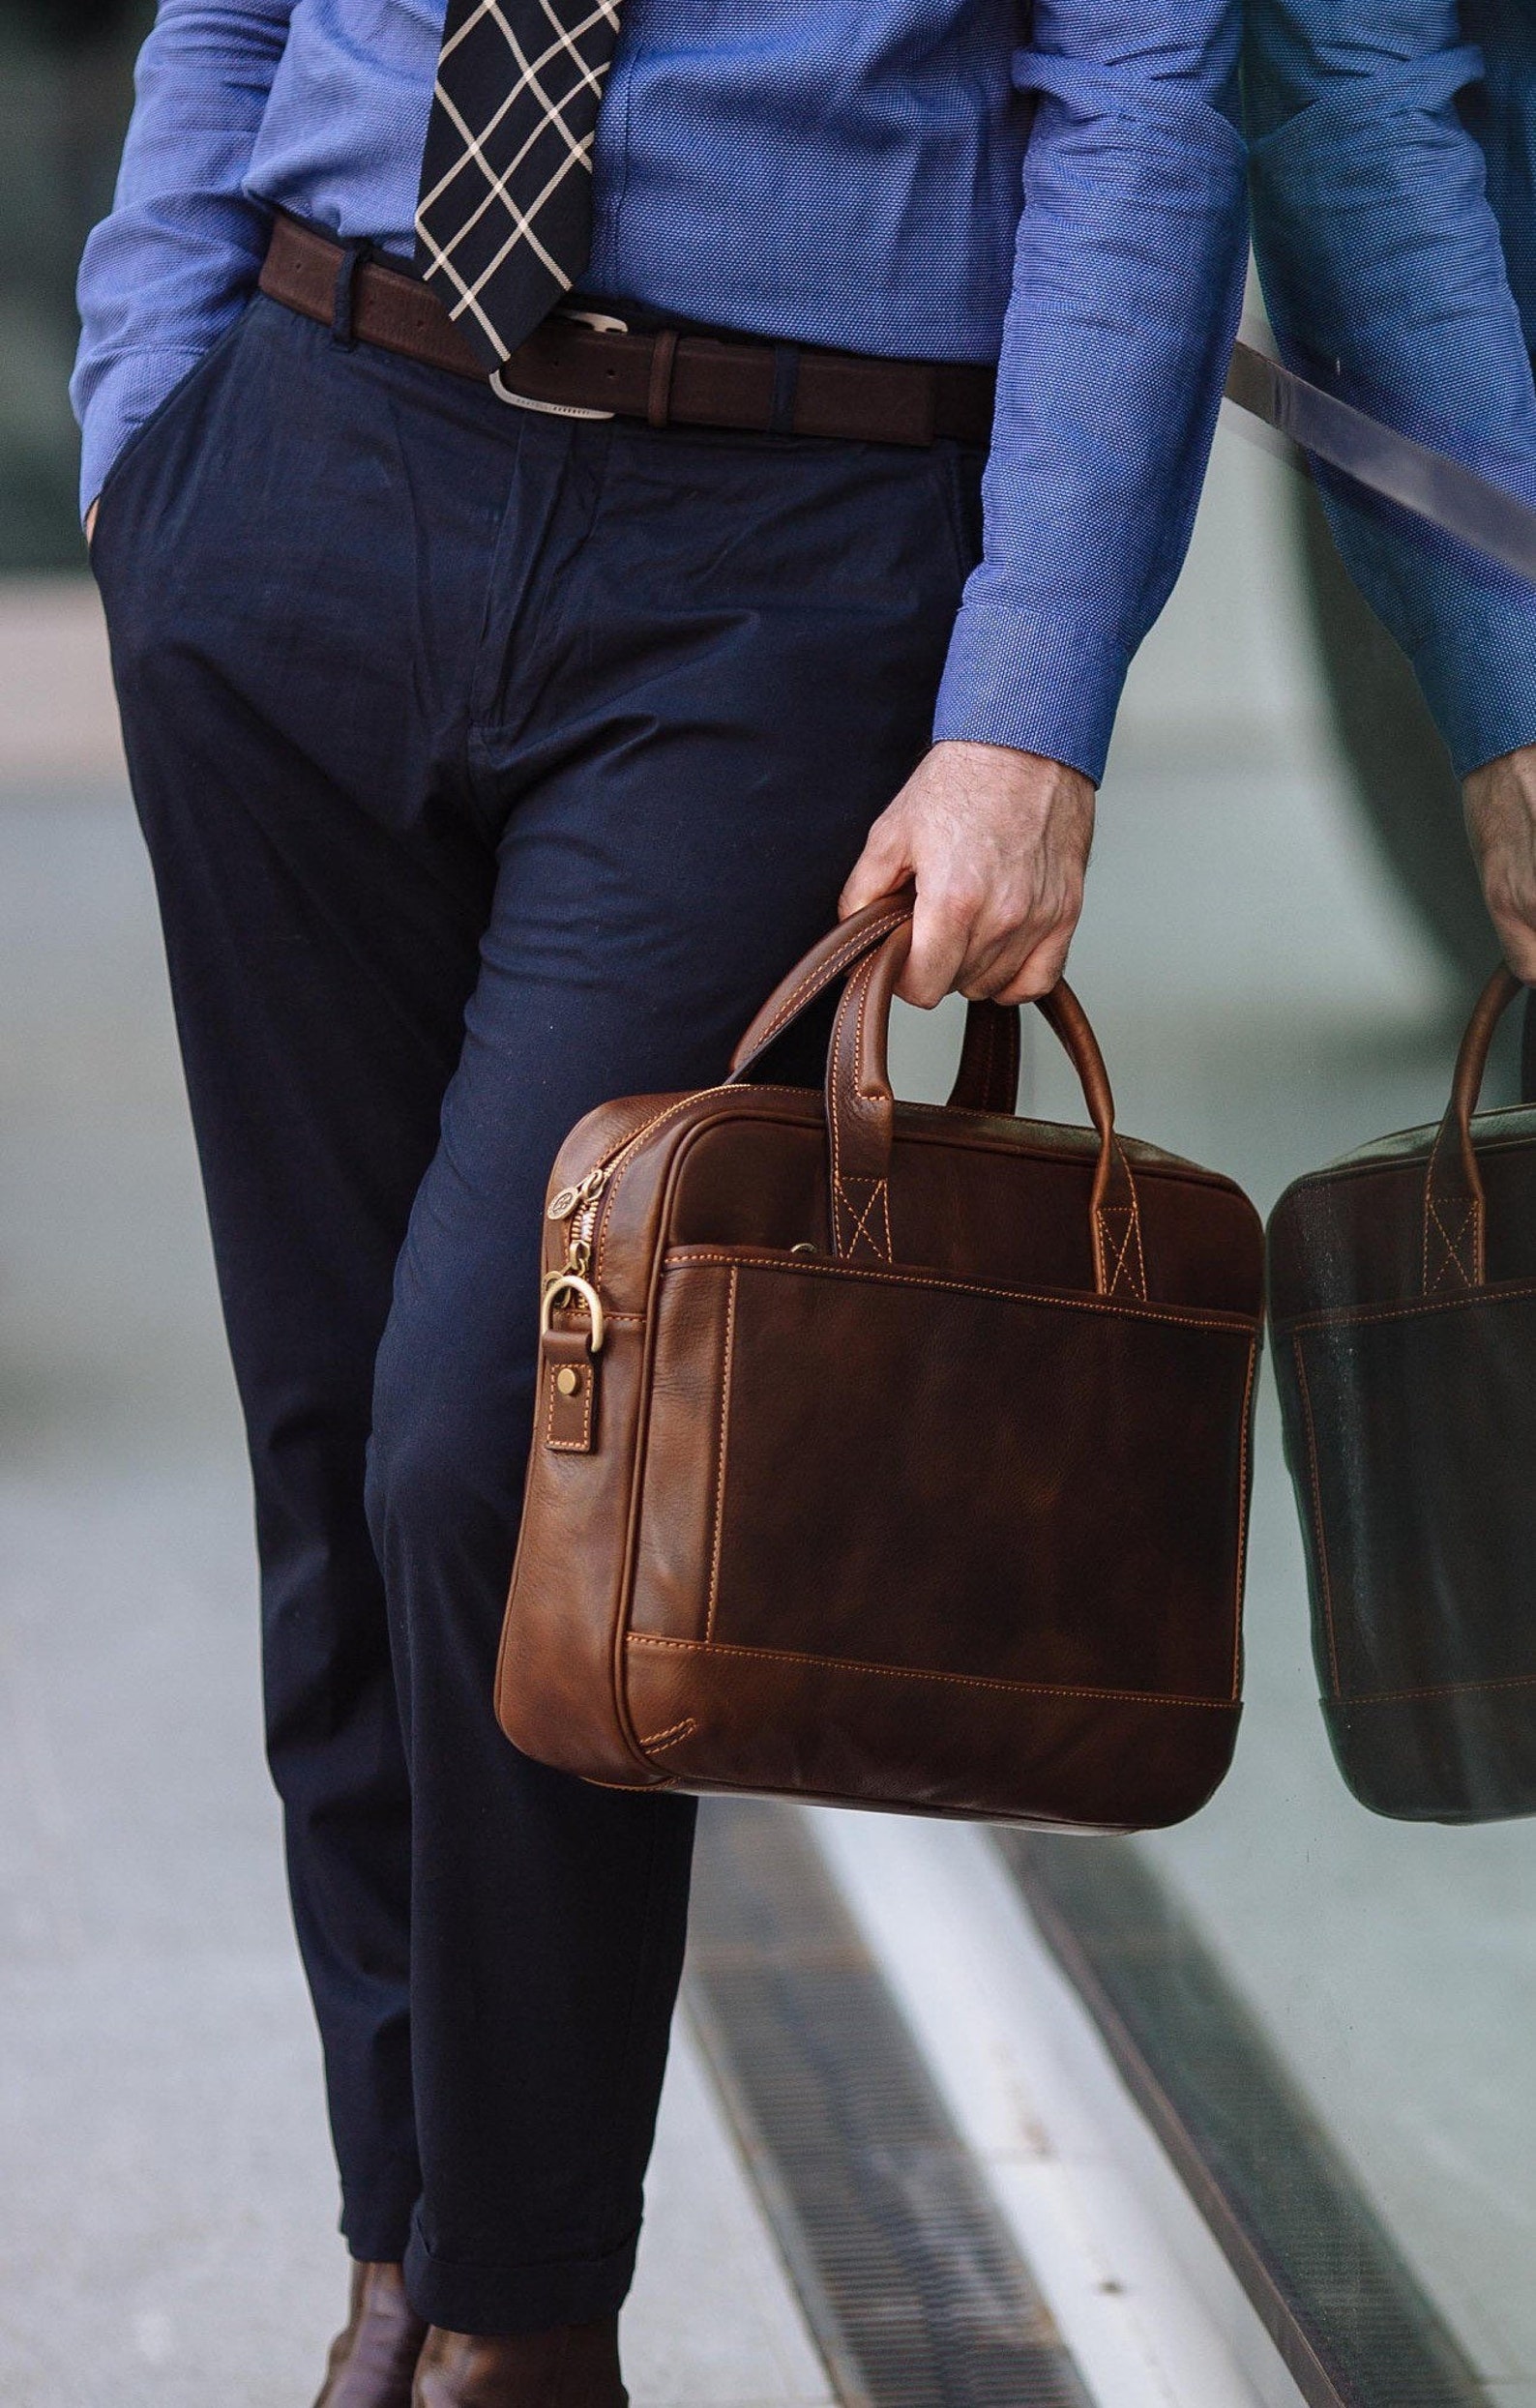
(667, 378)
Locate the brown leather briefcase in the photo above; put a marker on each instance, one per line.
(886, 1454)
(1403, 1285)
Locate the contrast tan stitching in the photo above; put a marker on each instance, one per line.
(569, 1446)
(952, 1680)
(1350, 1317)
(1136, 1220)
(1119, 1249)
(719, 1470)
(880, 1194)
(673, 1734)
(692, 1258)
(1452, 1243)
(828, 971)
(1439, 1689)
(1135, 1276)
(624, 1161)
(836, 1119)
(1316, 1510)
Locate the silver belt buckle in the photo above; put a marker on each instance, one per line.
(600, 325)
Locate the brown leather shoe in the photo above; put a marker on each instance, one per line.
(563, 2366)
(374, 2361)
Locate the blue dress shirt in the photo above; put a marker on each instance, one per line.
(1059, 188)
(1393, 170)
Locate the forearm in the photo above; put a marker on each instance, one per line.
(1127, 288)
(166, 272)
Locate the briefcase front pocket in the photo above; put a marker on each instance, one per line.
(869, 1481)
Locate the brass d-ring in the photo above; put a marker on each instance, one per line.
(570, 1282)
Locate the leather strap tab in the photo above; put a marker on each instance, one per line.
(668, 378)
(861, 1108)
(568, 1378)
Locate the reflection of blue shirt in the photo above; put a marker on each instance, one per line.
(1393, 146)
(843, 171)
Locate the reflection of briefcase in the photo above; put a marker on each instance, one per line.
(1402, 1293)
(885, 1453)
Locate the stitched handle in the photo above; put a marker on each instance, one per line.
(988, 1078)
(861, 1121)
(1455, 1207)
(831, 957)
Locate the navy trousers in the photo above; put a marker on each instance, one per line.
(491, 764)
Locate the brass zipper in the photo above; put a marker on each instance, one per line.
(581, 1205)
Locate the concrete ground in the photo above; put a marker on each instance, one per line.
(165, 2227)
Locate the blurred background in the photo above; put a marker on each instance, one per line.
(1244, 2113)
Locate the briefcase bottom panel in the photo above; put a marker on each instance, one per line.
(717, 1718)
(888, 1468)
(1411, 1433)
(1461, 1755)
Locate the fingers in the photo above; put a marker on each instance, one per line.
(943, 925)
(884, 864)
(1515, 924)
(997, 843)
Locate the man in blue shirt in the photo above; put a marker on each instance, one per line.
(499, 737)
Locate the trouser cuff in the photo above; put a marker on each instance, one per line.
(478, 2295)
(376, 2217)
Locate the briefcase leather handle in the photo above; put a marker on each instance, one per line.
(1455, 1205)
(867, 951)
(988, 1078)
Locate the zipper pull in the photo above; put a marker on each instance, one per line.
(585, 1191)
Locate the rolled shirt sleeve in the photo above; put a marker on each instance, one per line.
(1127, 286)
(174, 265)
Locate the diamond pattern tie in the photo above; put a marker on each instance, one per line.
(504, 222)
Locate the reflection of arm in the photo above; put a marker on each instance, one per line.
(1126, 292)
(1385, 280)
(175, 261)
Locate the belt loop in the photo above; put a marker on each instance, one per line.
(786, 377)
(658, 399)
(353, 254)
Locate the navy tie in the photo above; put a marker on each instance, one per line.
(504, 222)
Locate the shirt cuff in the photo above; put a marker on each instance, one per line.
(124, 398)
(1038, 685)
(1478, 676)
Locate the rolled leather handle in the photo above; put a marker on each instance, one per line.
(1455, 1206)
(831, 956)
(988, 1078)
(861, 1121)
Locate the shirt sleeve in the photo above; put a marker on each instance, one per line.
(1127, 287)
(1386, 282)
(174, 263)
